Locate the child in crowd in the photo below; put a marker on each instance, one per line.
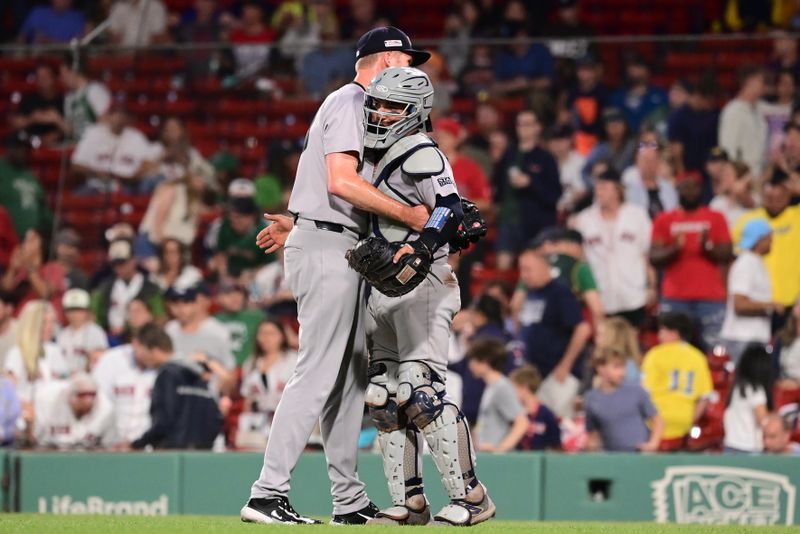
(502, 421)
(82, 341)
(543, 431)
(618, 413)
(749, 401)
(617, 334)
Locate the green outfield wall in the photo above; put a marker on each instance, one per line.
(598, 487)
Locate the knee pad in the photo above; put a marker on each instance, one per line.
(380, 399)
(451, 448)
(420, 391)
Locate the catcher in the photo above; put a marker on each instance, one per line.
(413, 300)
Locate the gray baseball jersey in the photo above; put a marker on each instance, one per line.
(337, 127)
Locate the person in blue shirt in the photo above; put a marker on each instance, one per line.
(523, 66)
(543, 432)
(639, 99)
(56, 23)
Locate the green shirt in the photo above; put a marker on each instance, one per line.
(23, 197)
(242, 326)
(241, 249)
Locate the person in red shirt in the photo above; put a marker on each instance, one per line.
(251, 41)
(8, 238)
(691, 244)
(470, 178)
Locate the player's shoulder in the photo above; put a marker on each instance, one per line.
(346, 95)
(425, 160)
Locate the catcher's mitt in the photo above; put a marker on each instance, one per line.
(372, 258)
(471, 229)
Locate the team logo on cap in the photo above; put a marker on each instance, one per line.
(393, 42)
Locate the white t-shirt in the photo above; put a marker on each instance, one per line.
(742, 431)
(102, 151)
(52, 366)
(749, 277)
(616, 253)
(268, 394)
(82, 108)
(129, 389)
(121, 295)
(55, 424)
(134, 24)
(572, 183)
(743, 133)
(77, 344)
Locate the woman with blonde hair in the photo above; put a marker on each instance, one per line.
(618, 335)
(35, 357)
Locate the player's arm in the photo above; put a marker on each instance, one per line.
(439, 229)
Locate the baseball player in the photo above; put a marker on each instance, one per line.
(329, 200)
(409, 329)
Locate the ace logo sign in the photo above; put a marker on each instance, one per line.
(723, 495)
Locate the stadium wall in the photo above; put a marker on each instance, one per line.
(597, 487)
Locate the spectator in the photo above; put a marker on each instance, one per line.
(528, 188)
(174, 267)
(251, 41)
(750, 304)
(124, 375)
(568, 24)
(749, 402)
(638, 100)
(443, 86)
(138, 23)
(81, 341)
(502, 421)
(173, 158)
(183, 412)
(478, 75)
(784, 54)
(742, 126)
(645, 185)
(112, 155)
(67, 252)
(86, 102)
(585, 102)
(616, 335)
(480, 144)
(360, 19)
(570, 164)
(616, 238)
(240, 322)
(471, 180)
(778, 113)
(620, 416)
(617, 148)
(734, 193)
(56, 23)
(41, 114)
(110, 300)
(21, 194)
(72, 415)
(787, 156)
(692, 128)
(455, 46)
(270, 289)
(10, 411)
(205, 27)
(8, 326)
(523, 66)
(543, 432)
(789, 350)
(35, 358)
(328, 65)
(301, 26)
(777, 436)
(692, 245)
(8, 238)
(715, 165)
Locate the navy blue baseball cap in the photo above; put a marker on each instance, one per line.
(386, 39)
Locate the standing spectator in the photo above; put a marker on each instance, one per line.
(240, 322)
(10, 411)
(8, 326)
(777, 436)
(174, 267)
(67, 248)
(56, 23)
(586, 101)
(81, 341)
(644, 185)
(251, 41)
(471, 180)
(86, 102)
(8, 238)
(749, 402)
(40, 114)
(570, 165)
(620, 416)
(111, 298)
(328, 65)
(638, 100)
(543, 432)
(778, 113)
(528, 188)
(742, 126)
(692, 128)
(692, 245)
(617, 148)
(502, 421)
(522, 67)
(677, 376)
(616, 238)
(138, 23)
(750, 305)
(789, 349)
(734, 193)
(21, 194)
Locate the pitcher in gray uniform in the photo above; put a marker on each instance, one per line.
(409, 335)
(330, 201)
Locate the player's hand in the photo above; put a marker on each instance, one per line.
(274, 236)
(416, 217)
(402, 251)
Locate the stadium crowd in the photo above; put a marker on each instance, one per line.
(639, 288)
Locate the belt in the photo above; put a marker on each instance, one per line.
(331, 227)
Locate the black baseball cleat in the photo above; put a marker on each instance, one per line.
(273, 510)
(356, 518)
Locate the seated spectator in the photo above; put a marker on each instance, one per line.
(183, 412)
(72, 415)
(616, 147)
(329, 65)
(615, 334)
(574, 43)
(21, 193)
(619, 416)
(86, 102)
(56, 23)
(35, 359)
(523, 66)
(41, 114)
(543, 432)
(734, 193)
(205, 27)
(174, 268)
(10, 412)
(67, 244)
(638, 100)
(748, 314)
(742, 126)
(455, 47)
(270, 289)
(125, 376)
(471, 180)
(8, 238)
(81, 341)
(616, 237)
(251, 41)
(677, 376)
(645, 186)
(749, 402)
(789, 352)
(138, 22)
(570, 165)
(173, 157)
(585, 102)
(112, 155)
(692, 129)
(502, 421)
(478, 75)
(240, 322)
(8, 325)
(777, 435)
(110, 300)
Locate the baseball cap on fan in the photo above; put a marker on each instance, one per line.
(386, 39)
(241, 196)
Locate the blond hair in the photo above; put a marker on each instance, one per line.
(526, 376)
(29, 333)
(620, 337)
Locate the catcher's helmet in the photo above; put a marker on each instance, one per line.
(407, 89)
